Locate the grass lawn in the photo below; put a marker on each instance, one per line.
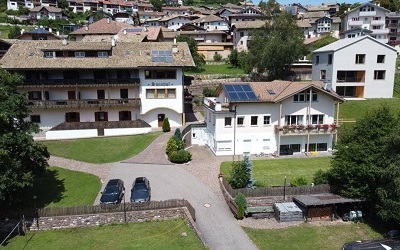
(5, 29)
(63, 187)
(307, 237)
(272, 172)
(101, 150)
(354, 110)
(143, 235)
(217, 69)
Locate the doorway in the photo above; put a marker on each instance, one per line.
(161, 118)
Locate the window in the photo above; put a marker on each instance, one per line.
(35, 118)
(293, 119)
(379, 74)
(171, 93)
(315, 119)
(34, 95)
(124, 93)
(254, 121)
(160, 74)
(330, 57)
(228, 121)
(380, 59)
(160, 93)
(317, 147)
(101, 94)
(241, 34)
(100, 116)
(99, 74)
(376, 27)
(240, 121)
(316, 60)
(79, 54)
(102, 54)
(360, 58)
(267, 120)
(305, 96)
(323, 75)
(125, 115)
(72, 117)
(49, 54)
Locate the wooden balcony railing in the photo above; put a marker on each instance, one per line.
(50, 104)
(80, 82)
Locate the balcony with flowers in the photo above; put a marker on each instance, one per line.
(299, 129)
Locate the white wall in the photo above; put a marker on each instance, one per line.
(71, 134)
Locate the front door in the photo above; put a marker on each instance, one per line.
(160, 120)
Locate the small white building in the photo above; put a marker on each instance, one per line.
(174, 22)
(267, 117)
(49, 12)
(212, 22)
(360, 67)
(241, 31)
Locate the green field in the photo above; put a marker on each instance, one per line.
(144, 235)
(309, 237)
(272, 172)
(354, 110)
(5, 29)
(63, 187)
(101, 150)
(224, 69)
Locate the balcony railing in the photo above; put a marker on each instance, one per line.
(50, 104)
(83, 82)
(306, 129)
(351, 79)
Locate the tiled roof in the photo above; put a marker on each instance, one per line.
(176, 8)
(368, 4)
(103, 26)
(154, 13)
(322, 199)
(170, 17)
(209, 18)
(215, 44)
(48, 8)
(304, 23)
(285, 89)
(30, 55)
(311, 39)
(317, 14)
(249, 24)
(200, 32)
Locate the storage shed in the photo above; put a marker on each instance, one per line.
(288, 211)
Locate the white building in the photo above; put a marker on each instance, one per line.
(360, 67)
(174, 22)
(267, 117)
(241, 32)
(125, 84)
(49, 12)
(368, 16)
(212, 22)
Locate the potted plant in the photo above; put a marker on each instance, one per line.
(310, 126)
(300, 127)
(333, 126)
(325, 126)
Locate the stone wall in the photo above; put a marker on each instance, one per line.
(74, 221)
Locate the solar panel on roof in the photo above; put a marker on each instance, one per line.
(162, 56)
(240, 92)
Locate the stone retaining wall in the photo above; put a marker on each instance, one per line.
(74, 221)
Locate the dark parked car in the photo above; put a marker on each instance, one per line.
(113, 192)
(141, 191)
(373, 245)
(286, 151)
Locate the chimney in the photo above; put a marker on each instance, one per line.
(64, 42)
(113, 42)
(58, 33)
(50, 30)
(22, 31)
(124, 31)
(86, 27)
(108, 20)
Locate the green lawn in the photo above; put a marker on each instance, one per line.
(143, 235)
(272, 172)
(353, 110)
(217, 69)
(63, 187)
(101, 150)
(5, 29)
(308, 237)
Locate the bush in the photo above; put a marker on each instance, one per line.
(321, 177)
(173, 144)
(299, 181)
(178, 134)
(217, 57)
(241, 203)
(166, 127)
(239, 175)
(180, 156)
(207, 92)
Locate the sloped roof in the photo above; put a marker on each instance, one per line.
(322, 199)
(103, 26)
(30, 55)
(368, 4)
(342, 43)
(209, 18)
(170, 17)
(248, 24)
(304, 23)
(48, 8)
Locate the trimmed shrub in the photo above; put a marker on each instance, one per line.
(173, 145)
(166, 127)
(240, 175)
(217, 57)
(241, 203)
(178, 134)
(180, 156)
(299, 181)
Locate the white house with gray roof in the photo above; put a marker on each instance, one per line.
(241, 33)
(360, 67)
(269, 118)
(85, 89)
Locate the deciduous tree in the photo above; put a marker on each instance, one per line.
(197, 57)
(21, 159)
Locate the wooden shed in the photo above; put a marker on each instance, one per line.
(288, 211)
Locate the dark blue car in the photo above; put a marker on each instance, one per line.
(141, 191)
(113, 192)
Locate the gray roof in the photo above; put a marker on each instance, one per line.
(342, 43)
(369, 4)
(322, 199)
(25, 54)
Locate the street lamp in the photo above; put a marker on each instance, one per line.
(123, 193)
(36, 212)
(284, 190)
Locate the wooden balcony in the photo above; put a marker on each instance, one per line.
(84, 103)
(80, 82)
(289, 130)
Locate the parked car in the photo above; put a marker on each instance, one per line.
(113, 192)
(141, 190)
(372, 245)
(286, 151)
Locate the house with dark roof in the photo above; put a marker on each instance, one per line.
(269, 117)
(39, 33)
(49, 12)
(111, 87)
(212, 22)
(105, 26)
(241, 33)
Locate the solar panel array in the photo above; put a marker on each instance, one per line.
(240, 92)
(162, 56)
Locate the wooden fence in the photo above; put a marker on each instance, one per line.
(102, 208)
(276, 191)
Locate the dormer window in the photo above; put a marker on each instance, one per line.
(305, 96)
(102, 54)
(49, 54)
(79, 54)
